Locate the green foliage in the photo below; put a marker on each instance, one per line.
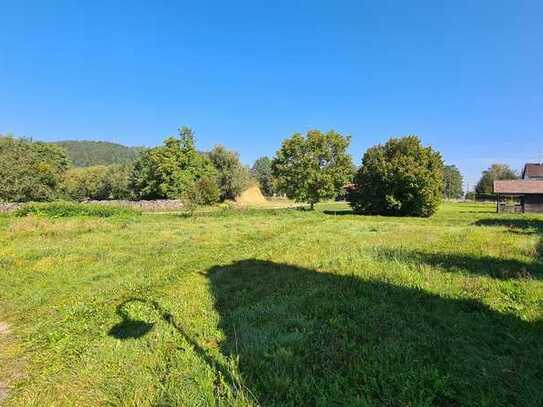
(96, 183)
(69, 209)
(91, 153)
(493, 173)
(471, 195)
(312, 168)
(30, 171)
(399, 178)
(262, 171)
(232, 176)
(452, 182)
(166, 171)
(202, 192)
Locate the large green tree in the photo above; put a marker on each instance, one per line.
(313, 167)
(232, 176)
(400, 178)
(493, 173)
(166, 171)
(262, 171)
(30, 171)
(452, 182)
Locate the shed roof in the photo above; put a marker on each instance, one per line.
(520, 186)
(532, 170)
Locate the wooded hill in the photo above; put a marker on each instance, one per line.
(89, 153)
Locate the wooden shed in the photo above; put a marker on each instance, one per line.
(523, 195)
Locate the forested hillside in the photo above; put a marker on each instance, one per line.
(89, 153)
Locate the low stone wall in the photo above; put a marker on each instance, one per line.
(6, 207)
(159, 205)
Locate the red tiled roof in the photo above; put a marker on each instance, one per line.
(520, 186)
(533, 170)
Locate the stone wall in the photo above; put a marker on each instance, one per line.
(159, 205)
(6, 207)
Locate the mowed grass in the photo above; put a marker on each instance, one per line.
(274, 307)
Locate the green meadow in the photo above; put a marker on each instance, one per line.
(273, 307)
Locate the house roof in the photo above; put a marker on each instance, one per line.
(520, 186)
(532, 170)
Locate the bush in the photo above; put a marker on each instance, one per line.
(97, 183)
(69, 209)
(400, 178)
(202, 192)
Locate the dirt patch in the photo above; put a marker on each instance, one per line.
(251, 196)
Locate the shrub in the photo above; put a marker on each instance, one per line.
(98, 183)
(68, 209)
(400, 178)
(202, 192)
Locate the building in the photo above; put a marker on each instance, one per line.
(521, 195)
(533, 171)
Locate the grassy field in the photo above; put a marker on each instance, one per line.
(273, 307)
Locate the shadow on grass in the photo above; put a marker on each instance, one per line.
(311, 338)
(489, 266)
(514, 224)
(495, 267)
(479, 212)
(523, 226)
(341, 212)
(130, 328)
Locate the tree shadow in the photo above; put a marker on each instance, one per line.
(523, 226)
(341, 212)
(488, 266)
(528, 226)
(303, 337)
(479, 212)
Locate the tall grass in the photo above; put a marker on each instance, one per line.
(70, 209)
(278, 308)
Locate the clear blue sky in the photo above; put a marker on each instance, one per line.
(466, 76)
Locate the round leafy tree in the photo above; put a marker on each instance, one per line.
(312, 168)
(399, 178)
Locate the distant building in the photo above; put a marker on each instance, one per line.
(533, 171)
(522, 195)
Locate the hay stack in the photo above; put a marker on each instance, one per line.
(251, 196)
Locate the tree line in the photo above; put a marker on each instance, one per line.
(400, 177)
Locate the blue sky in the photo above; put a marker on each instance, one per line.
(465, 76)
